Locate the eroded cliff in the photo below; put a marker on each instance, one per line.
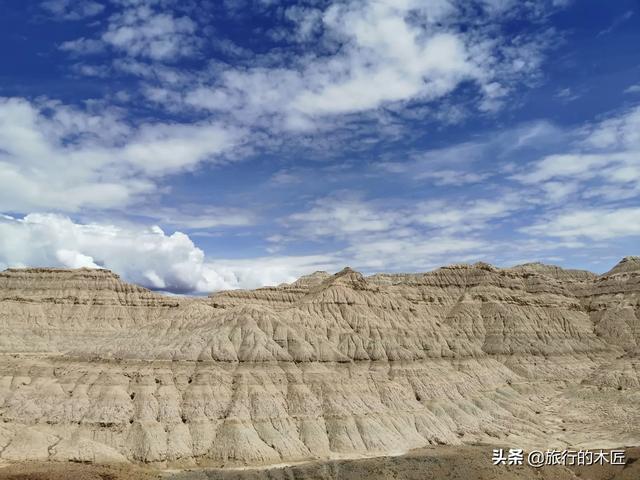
(94, 369)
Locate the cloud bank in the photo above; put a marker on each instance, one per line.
(145, 256)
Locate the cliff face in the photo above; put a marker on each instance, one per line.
(94, 369)
(614, 305)
(55, 311)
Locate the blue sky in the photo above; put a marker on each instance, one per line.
(193, 146)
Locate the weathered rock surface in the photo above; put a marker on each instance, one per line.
(95, 370)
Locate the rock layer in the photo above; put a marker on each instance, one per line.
(95, 370)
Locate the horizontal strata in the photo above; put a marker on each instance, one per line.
(94, 369)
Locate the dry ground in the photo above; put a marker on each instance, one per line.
(74, 471)
(441, 463)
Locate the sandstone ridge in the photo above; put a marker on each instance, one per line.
(93, 369)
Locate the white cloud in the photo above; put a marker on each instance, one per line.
(378, 237)
(591, 223)
(567, 95)
(308, 22)
(603, 164)
(616, 23)
(83, 46)
(620, 131)
(140, 31)
(463, 217)
(72, 9)
(144, 255)
(398, 67)
(416, 253)
(389, 52)
(633, 88)
(261, 271)
(370, 54)
(558, 191)
(159, 149)
(198, 217)
(343, 217)
(101, 71)
(73, 259)
(463, 163)
(59, 158)
(354, 219)
(371, 60)
(607, 153)
(614, 167)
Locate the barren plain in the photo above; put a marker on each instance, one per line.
(320, 372)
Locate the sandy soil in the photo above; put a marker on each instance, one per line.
(74, 471)
(446, 462)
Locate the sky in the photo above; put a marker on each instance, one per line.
(193, 146)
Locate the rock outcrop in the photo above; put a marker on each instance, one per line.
(96, 370)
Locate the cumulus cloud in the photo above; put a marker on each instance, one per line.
(143, 255)
(619, 131)
(389, 52)
(367, 55)
(307, 21)
(60, 158)
(386, 63)
(272, 270)
(172, 262)
(146, 256)
(141, 31)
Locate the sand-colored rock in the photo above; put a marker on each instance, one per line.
(95, 370)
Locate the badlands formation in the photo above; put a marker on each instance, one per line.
(331, 366)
